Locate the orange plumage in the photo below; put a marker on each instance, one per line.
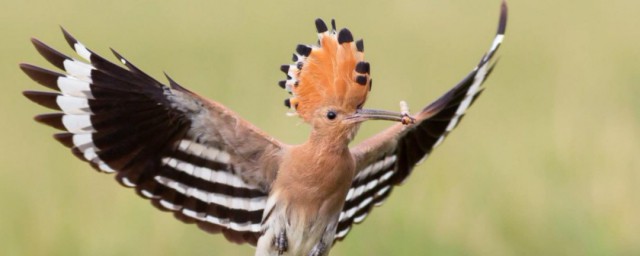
(332, 73)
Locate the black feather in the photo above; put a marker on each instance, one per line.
(361, 80)
(345, 36)
(360, 45)
(303, 50)
(321, 26)
(362, 67)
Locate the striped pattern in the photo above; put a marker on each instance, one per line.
(387, 159)
(370, 187)
(125, 122)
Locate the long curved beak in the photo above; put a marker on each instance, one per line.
(362, 115)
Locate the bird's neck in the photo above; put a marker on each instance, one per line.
(328, 142)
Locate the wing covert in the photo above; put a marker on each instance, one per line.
(186, 154)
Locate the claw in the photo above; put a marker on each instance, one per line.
(318, 250)
(281, 242)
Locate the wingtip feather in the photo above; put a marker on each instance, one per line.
(44, 99)
(65, 138)
(502, 24)
(42, 76)
(54, 57)
(54, 120)
(68, 37)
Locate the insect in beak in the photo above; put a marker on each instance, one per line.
(362, 115)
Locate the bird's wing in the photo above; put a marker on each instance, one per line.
(186, 154)
(386, 160)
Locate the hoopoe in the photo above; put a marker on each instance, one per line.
(207, 165)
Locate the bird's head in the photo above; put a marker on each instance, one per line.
(330, 83)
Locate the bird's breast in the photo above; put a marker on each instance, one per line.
(308, 195)
(314, 180)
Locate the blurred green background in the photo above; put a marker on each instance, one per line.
(545, 163)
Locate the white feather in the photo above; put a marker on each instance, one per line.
(73, 105)
(83, 141)
(78, 69)
(82, 51)
(248, 204)
(77, 123)
(74, 87)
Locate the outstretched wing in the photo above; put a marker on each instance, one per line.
(186, 154)
(387, 159)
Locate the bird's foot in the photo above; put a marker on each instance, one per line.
(281, 242)
(318, 250)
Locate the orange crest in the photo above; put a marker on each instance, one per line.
(332, 73)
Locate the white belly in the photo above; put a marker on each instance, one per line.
(304, 233)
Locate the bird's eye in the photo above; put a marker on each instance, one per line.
(331, 115)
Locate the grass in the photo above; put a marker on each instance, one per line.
(544, 164)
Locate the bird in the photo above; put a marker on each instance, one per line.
(201, 161)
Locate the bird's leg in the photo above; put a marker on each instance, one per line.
(281, 242)
(404, 110)
(318, 250)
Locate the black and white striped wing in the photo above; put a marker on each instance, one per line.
(188, 155)
(387, 159)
